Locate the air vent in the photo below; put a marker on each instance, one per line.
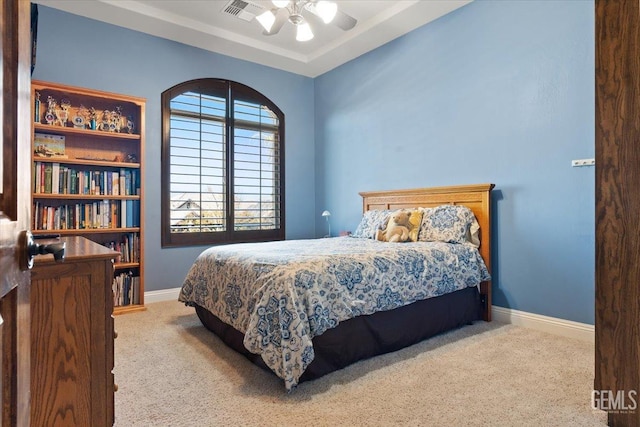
(243, 9)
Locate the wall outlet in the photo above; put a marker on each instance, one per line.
(583, 162)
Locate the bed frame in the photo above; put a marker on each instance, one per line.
(476, 197)
(386, 331)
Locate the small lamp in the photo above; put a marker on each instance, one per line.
(326, 215)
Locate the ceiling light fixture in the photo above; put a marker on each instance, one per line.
(327, 10)
(266, 20)
(304, 32)
(291, 11)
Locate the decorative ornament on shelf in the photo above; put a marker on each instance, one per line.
(106, 121)
(326, 215)
(63, 113)
(80, 119)
(292, 11)
(93, 117)
(36, 108)
(130, 124)
(52, 105)
(116, 119)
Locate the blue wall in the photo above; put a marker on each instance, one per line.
(83, 52)
(497, 91)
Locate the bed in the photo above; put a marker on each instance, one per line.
(305, 308)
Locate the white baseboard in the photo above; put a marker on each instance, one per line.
(553, 325)
(162, 295)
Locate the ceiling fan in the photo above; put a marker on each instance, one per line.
(292, 11)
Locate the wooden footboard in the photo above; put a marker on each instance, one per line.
(477, 197)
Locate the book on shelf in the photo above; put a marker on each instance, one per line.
(123, 213)
(55, 178)
(45, 185)
(47, 145)
(135, 222)
(129, 219)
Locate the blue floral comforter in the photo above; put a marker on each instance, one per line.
(282, 294)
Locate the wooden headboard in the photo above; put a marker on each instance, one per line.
(476, 197)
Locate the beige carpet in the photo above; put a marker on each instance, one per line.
(171, 371)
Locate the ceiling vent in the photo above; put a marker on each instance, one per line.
(243, 9)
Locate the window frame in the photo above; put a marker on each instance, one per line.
(231, 91)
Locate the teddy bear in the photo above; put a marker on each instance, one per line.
(397, 229)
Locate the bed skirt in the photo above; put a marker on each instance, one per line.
(366, 336)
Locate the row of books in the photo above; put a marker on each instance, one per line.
(126, 289)
(128, 246)
(95, 215)
(54, 178)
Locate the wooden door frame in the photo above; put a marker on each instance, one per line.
(617, 299)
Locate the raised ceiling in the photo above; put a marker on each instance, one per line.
(203, 24)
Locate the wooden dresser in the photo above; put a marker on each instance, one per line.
(72, 336)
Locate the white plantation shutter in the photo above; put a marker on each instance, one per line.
(256, 168)
(198, 163)
(222, 157)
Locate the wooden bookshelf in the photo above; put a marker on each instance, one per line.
(87, 169)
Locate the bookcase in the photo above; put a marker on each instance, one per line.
(87, 169)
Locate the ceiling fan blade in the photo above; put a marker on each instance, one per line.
(281, 18)
(341, 20)
(344, 21)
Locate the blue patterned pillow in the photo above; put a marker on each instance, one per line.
(446, 223)
(371, 221)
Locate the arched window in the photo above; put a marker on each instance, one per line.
(222, 164)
